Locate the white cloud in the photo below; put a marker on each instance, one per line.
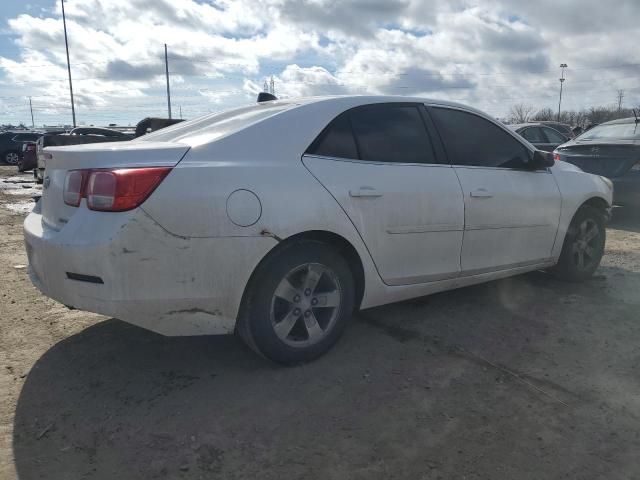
(490, 54)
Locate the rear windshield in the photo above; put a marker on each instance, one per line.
(208, 128)
(619, 131)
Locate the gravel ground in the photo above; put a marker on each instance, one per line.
(525, 378)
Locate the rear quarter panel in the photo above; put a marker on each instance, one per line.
(192, 200)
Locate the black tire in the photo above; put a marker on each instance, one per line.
(257, 319)
(20, 166)
(569, 266)
(11, 157)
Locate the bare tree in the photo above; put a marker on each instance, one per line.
(544, 114)
(520, 113)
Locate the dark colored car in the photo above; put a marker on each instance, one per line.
(541, 136)
(563, 128)
(611, 149)
(28, 159)
(11, 144)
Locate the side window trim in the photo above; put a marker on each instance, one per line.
(515, 135)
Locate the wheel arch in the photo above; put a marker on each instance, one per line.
(336, 241)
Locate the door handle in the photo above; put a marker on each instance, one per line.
(365, 192)
(481, 193)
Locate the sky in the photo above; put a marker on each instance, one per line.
(488, 54)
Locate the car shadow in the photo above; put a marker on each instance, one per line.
(426, 385)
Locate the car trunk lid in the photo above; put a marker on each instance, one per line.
(55, 213)
(607, 159)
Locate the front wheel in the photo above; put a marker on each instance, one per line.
(583, 246)
(298, 303)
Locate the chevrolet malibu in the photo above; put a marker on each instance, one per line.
(277, 220)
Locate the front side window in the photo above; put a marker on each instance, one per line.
(472, 140)
(389, 133)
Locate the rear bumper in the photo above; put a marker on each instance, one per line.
(171, 285)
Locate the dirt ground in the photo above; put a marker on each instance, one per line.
(526, 378)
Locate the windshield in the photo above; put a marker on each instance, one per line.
(207, 128)
(615, 131)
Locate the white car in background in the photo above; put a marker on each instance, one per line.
(277, 220)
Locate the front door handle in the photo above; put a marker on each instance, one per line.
(365, 192)
(481, 193)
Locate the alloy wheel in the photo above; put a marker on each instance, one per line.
(306, 305)
(585, 245)
(12, 158)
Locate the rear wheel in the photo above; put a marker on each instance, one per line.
(298, 303)
(11, 157)
(583, 246)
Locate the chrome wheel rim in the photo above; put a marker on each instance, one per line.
(12, 158)
(585, 245)
(305, 305)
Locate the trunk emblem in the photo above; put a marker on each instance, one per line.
(46, 182)
(595, 150)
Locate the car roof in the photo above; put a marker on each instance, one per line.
(358, 100)
(518, 126)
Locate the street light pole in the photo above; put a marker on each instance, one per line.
(562, 66)
(166, 69)
(33, 124)
(66, 44)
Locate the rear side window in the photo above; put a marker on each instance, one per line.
(553, 136)
(472, 140)
(391, 133)
(534, 135)
(336, 140)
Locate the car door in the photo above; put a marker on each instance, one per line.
(511, 212)
(380, 164)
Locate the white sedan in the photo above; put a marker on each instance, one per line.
(278, 220)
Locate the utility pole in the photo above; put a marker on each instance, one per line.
(180, 112)
(33, 124)
(620, 97)
(66, 44)
(562, 66)
(166, 69)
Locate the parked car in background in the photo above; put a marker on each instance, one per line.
(541, 136)
(77, 136)
(11, 144)
(28, 159)
(82, 135)
(611, 149)
(277, 220)
(563, 128)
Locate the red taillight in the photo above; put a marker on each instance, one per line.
(115, 190)
(556, 156)
(74, 187)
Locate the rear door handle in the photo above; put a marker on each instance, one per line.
(481, 193)
(365, 192)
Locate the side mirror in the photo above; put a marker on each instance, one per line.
(541, 160)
